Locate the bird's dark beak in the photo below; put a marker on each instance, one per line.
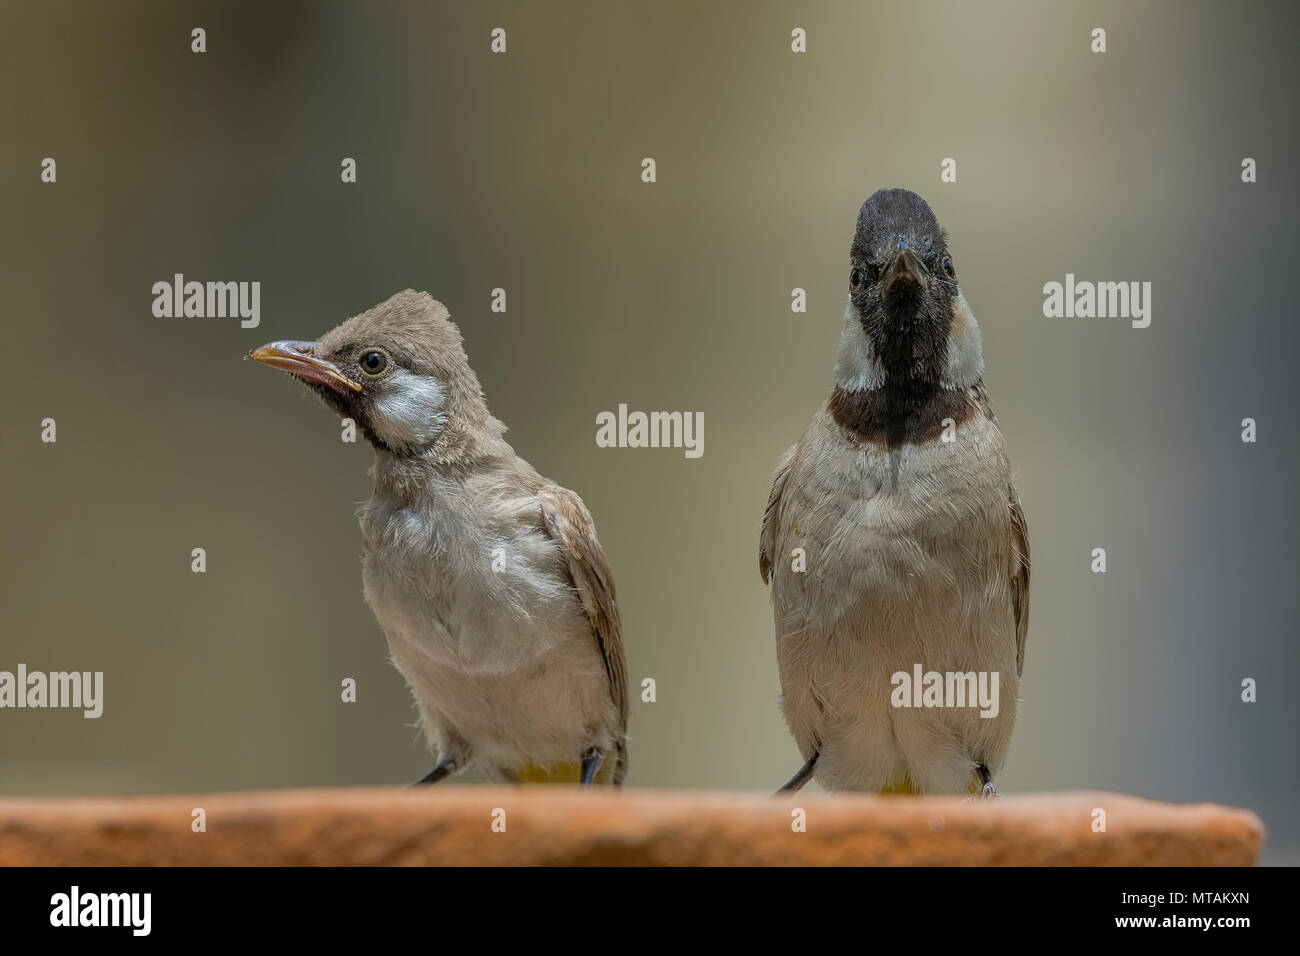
(903, 268)
(299, 358)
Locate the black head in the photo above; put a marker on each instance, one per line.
(902, 284)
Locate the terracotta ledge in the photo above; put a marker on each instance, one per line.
(560, 825)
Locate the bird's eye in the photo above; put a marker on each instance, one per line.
(372, 363)
(947, 267)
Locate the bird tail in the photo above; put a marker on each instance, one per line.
(554, 773)
(611, 772)
(906, 786)
(903, 786)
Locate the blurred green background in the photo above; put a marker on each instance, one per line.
(522, 171)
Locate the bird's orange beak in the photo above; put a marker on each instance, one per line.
(299, 358)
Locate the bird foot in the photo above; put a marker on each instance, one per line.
(591, 762)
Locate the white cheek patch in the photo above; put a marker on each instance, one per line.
(410, 411)
(965, 348)
(857, 367)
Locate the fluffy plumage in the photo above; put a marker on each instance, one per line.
(488, 579)
(916, 548)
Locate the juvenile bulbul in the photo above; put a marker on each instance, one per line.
(486, 578)
(915, 553)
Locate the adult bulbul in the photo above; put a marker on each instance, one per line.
(893, 538)
(487, 579)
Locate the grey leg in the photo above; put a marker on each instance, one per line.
(591, 762)
(444, 768)
(802, 776)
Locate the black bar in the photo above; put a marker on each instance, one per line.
(442, 907)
